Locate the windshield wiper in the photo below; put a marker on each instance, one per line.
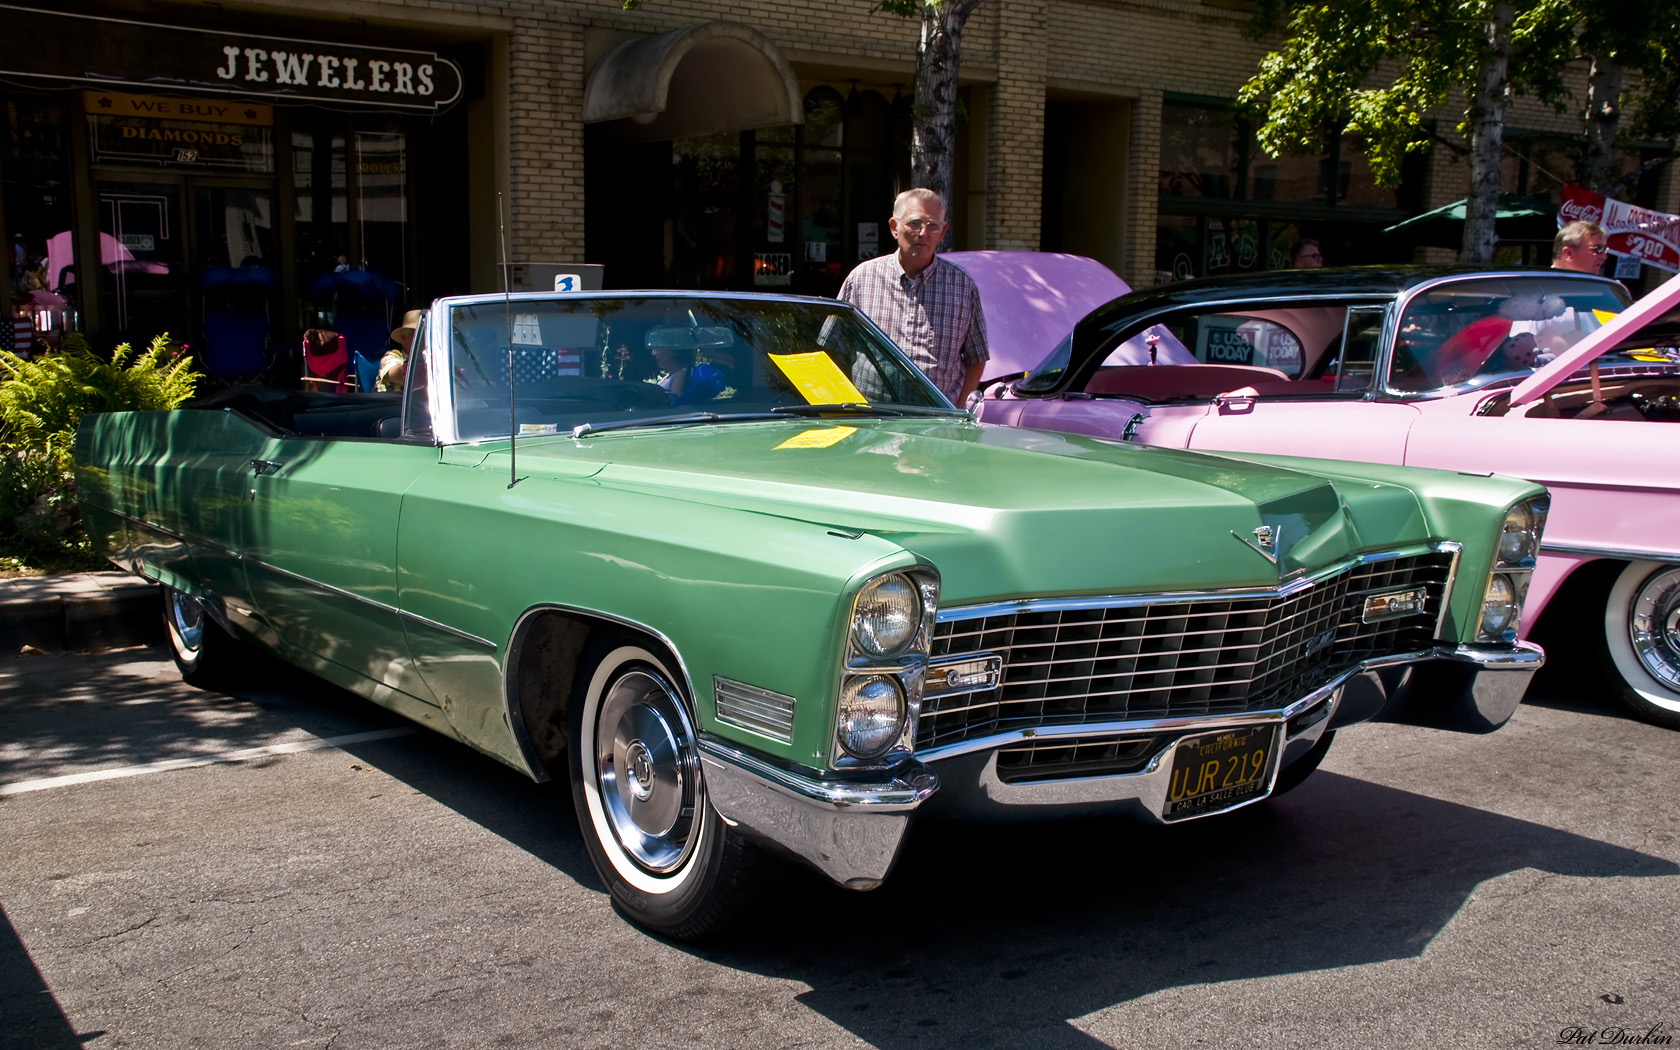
(858, 408)
(586, 429)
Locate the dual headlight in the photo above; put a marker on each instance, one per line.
(886, 658)
(1513, 565)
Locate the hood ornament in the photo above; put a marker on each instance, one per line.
(1265, 541)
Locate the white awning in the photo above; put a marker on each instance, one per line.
(717, 76)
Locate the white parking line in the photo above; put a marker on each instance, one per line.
(165, 766)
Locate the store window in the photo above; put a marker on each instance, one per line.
(42, 291)
(1227, 207)
(1199, 152)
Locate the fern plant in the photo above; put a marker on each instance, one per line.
(42, 400)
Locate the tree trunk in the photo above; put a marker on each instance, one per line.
(1487, 134)
(1604, 114)
(934, 126)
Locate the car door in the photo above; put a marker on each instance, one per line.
(321, 552)
(1341, 416)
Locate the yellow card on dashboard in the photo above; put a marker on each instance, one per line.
(817, 378)
(817, 438)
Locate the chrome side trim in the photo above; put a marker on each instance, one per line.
(1457, 550)
(371, 602)
(251, 562)
(1569, 551)
(754, 709)
(1115, 601)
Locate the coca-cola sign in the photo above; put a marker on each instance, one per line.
(1650, 236)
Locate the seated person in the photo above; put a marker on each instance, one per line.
(393, 367)
(674, 363)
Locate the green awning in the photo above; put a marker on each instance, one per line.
(1518, 218)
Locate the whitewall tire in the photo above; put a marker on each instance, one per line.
(1642, 637)
(667, 858)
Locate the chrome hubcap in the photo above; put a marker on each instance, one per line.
(1654, 626)
(187, 618)
(647, 767)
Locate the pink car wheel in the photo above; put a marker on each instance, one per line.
(1642, 633)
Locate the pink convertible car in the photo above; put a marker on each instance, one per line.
(1547, 375)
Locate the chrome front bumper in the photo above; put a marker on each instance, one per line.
(852, 832)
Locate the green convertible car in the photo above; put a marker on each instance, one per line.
(732, 566)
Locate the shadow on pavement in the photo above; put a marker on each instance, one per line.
(30, 1018)
(991, 936)
(997, 937)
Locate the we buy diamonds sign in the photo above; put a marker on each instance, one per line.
(1650, 236)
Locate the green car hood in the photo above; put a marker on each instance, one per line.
(1000, 511)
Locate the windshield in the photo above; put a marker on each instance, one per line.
(1479, 328)
(616, 361)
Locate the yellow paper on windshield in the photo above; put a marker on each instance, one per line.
(817, 438)
(1643, 354)
(817, 378)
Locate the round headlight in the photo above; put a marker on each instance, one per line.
(887, 615)
(1499, 606)
(871, 715)
(1517, 536)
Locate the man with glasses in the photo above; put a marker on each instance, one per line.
(1580, 245)
(926, 305)
(1552, 327)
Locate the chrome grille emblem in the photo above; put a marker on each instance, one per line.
(1265, 541)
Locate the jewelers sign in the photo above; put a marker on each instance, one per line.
(1650, 236)
(113, 52)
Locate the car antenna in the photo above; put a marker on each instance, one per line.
(507, 320)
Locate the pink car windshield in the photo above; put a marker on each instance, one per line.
(1456, 332)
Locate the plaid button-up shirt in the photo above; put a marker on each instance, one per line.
(934, 317)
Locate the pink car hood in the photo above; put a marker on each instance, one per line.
(1032, 300)
(1610, 335)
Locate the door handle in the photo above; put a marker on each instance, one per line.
(266, 466)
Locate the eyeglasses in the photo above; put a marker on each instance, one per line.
(916, 226)
(1596, 249)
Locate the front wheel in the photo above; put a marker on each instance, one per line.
(1642, 637)
(667, 858)
(204, 653)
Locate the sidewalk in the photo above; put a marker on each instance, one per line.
(86, 610)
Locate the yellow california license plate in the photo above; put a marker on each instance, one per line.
(1215, 771)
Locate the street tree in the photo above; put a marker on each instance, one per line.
(933, 127)
(1377, 68)
(1616, 38)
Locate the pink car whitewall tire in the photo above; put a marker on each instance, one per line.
(1642, 636)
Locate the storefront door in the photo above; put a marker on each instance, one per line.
(195, 258)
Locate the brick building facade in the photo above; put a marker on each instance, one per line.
(766, 146)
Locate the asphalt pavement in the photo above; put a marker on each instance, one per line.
(289, 866)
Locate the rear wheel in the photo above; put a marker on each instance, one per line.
(667, 858)
(205, 654)
(1642, 638)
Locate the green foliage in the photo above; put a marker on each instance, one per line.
(1320, 76)
(41, 401)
